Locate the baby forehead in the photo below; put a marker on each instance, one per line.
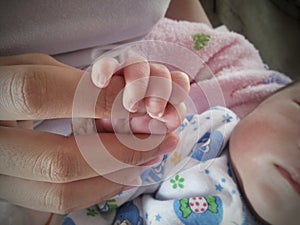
(281, 109)
(295, 89)
(279, 98)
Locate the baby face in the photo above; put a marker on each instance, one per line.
(265, 153)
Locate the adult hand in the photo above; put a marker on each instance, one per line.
(46, 171)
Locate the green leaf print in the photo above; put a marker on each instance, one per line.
(200, 40)
(112, 204)
(212, 205)
(184, 208)
(91, 212)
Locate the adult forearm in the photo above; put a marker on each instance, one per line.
(190, 10)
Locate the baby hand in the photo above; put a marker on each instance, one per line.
(149, 87)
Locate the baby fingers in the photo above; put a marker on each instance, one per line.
(180, 87)
(149, 87)
(165, 88)
(136, 76)
(159, 90)
(153, 86)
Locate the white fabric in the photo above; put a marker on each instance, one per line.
(193, 185)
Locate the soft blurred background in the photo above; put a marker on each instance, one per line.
(273, 26)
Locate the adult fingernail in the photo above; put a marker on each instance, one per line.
(169, 144)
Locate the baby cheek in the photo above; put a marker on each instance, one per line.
(274, 205)
(264, 191)
(264, 200)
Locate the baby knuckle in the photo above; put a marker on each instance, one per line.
(137, 66)
(159, 69)
(182, 80)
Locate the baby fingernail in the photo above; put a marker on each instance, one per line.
(158, 117)
(134, 107)
(98, 79)
(102, 81)
(155, 108)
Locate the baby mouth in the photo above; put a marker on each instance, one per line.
(289, 178)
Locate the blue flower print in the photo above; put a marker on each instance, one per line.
(208, 146)
(227, 118)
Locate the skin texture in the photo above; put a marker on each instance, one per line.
(57, 194)
(190, 10)
(46, 171)
(265, 152)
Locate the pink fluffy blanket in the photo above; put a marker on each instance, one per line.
(238, 79)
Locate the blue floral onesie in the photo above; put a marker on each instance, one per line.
(193, 185)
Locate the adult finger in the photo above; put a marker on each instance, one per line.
(27, 124)
(44, 92)
(142, 125)
(42, 156)
(172, 118)
(145, 124)
(8, 123)
(103, 70)
(159, 90)
(58, 198)
(30, 59)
